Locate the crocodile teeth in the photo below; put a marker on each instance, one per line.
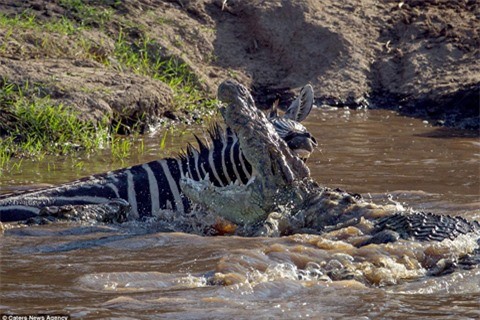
(234, 183)
(250, 181)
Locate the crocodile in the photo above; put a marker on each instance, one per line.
(282, 198)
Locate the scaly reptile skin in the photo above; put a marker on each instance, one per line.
(286, 200)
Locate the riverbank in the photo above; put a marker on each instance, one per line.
(138, 62)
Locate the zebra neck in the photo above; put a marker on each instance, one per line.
(222, 162)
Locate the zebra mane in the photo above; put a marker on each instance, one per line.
(217, 136)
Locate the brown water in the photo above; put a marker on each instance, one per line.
(133, 271)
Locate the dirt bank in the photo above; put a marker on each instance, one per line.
(420, 57)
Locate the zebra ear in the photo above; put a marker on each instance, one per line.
(302, 105)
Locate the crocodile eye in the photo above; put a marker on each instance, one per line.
(243, 90)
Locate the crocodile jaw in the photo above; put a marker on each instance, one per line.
(240, 204)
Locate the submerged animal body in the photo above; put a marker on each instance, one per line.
(421, 226)
(154, 186)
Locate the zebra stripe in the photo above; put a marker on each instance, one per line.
(189, 168)
(212, 167)
(153, 187)
(25, 208)
(244, 166)
(225, 162)
(114, 189)
(235, 159)
(143, 196)
(173, 186)
(164, 191)
(192, 163)
(132, 196)
(62, 200)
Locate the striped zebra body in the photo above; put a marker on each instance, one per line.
(155, 186)
(148, 187)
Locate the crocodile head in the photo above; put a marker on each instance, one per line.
(275, 165)
(288, 127)
(266, 141)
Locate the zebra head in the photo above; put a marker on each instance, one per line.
(289, 128)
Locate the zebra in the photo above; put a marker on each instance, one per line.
(154, 186)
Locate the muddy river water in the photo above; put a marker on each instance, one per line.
(134, 271)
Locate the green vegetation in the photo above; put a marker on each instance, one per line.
(143, 58)
(43, 38)
(32, 124)
(36, 126)
(86, 14)
(163, 140)
(28, 21)
(121, 147)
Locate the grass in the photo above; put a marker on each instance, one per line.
(36, 126)
(33, 125)
(143, 57)
(88, 15)
(27, 21)
(121, 147)
(43, 38)
(163, 140)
